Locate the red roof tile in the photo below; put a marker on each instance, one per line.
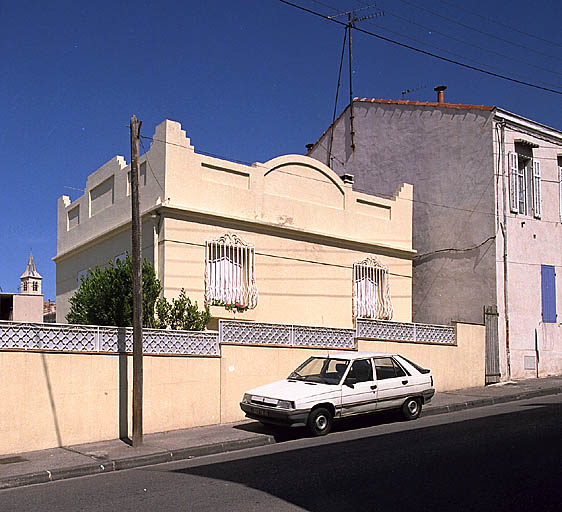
(425, 104)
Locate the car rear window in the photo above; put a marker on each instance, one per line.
(416, 366)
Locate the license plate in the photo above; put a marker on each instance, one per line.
(260, 412)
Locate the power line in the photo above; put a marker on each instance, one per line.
(433, 13)
(198, 152)
(424, 52)
(150, 166)
(467, 249)
(488, 50)
(492, 20)
(467, 59)
(289, 258)
(363, 191)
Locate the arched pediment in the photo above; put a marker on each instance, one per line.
(303, 179)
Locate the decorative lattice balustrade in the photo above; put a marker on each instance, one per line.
(405, 331)
(257, 333)
(84, 338)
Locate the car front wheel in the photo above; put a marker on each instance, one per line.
(412, 408)
(320, 421)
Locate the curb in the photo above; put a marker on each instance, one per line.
(109, 466)
(484, 402)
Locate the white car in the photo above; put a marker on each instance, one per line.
(338, 385)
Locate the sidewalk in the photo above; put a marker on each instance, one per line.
(93, 458)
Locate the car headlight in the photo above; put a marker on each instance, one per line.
(285, 404)
(247, 398)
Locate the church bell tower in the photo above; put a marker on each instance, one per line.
(31, 279)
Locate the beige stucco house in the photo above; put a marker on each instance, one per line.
(285, 241)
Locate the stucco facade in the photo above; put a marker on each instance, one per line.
(307, 228)
(453, 156)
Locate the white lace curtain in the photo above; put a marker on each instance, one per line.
(371, 290)
(229, 273)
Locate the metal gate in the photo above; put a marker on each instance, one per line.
(493, 372)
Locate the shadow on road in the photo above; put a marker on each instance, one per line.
(502, 462)
(354, 423)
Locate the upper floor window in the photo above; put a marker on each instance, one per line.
(24, 286)
(524, 181)
(35, 286)
(230, 273)
(371, 290)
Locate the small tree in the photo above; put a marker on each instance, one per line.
(180, 313)
(105, 296)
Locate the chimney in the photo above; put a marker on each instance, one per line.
(440, 90)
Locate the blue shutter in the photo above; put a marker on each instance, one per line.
(548, 293)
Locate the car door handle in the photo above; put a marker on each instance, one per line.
(405, 382)
(374, 387)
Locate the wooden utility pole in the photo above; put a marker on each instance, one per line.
(350, 26)
(137, 284)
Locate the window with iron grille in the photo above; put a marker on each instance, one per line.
(230, 273)
(371, 290)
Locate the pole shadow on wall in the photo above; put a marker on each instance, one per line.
(123, 386)
(51, 398)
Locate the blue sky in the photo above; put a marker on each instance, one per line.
(248, 79)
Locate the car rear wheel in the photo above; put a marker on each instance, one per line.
(320, 421)
(412, 408)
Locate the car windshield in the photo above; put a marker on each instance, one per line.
(324, 370)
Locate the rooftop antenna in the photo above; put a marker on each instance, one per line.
(408, 91)
(352, 19)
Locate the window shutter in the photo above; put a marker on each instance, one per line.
(513, 183)
(537, 189)
(548, 293)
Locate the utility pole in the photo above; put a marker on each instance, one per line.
(350, 25)
(135, 127)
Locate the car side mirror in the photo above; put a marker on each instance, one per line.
(350, 381)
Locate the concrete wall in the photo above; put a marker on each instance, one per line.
(61, 399)
(452, 367)
(447, 154)
(58, 399)
(27, 308)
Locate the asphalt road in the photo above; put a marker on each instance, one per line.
(502, 457)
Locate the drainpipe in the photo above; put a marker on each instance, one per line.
(537, 351)
(156, 219)
(505, 265)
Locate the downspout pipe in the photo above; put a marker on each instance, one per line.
(505, 250)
